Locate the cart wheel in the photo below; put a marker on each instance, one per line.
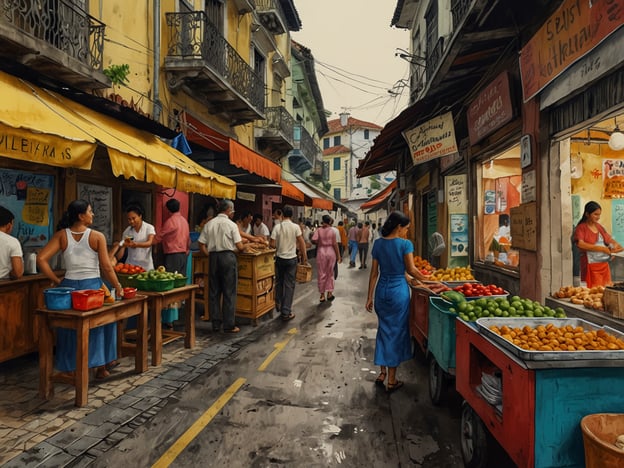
(437, 382)
(473, 438)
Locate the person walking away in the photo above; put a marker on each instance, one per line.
(176, 242)
(258, 228)
(220, 239)
(84, 254)
(11, 255)
(326, 256)
(286, 238)
(392, 259)
(364, 239)
(343, 238)
(137, 239)
(374, 233)
(596, 247)
(353, 244)
(338, 240)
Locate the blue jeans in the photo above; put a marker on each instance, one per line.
(285, 273)
(353, 247)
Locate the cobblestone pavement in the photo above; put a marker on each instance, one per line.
(33, 430)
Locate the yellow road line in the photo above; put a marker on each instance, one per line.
(278, 348)
(174, 451)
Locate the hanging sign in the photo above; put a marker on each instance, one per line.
(573, 30)
(432, 139)
(490, 110)
(613, 178)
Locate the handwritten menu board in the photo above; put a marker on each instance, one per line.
(29, 197)
(524, 226)
(101, 200)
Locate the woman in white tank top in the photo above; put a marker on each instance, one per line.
(84, 253)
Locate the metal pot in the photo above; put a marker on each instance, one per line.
(30, 263)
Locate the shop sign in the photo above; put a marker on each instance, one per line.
(575, 28)
(491, 110)
(246, 196)
(529, 186)
(613, 178)
(524, 226)
(456, 193)
(432, 139)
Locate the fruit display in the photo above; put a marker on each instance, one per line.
(159, 274)
(452, 274)
(513, 306)
(423, 265)
(478, 289)
(549, 337)
(590, 298)
(128, 269)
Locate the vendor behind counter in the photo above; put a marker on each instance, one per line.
(11, 255)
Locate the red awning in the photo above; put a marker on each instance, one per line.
(201, 134)
(243, 157)
(322, 204)
(380, 197)
(290, 191)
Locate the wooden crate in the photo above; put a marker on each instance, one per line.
(248, 287)
(256, 266)
(613, 301)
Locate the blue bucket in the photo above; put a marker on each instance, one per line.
(58, 298)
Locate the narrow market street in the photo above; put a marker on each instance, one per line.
(300, 393)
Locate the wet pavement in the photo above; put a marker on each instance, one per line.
(299, 393)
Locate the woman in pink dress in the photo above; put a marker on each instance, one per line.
(327, 254)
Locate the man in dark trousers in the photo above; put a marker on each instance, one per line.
(220, 239)
(285, 238)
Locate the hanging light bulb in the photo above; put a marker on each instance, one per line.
(616, 140)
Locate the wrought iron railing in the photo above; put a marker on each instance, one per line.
(192, 35)
(268, 5)
(459, 8)
(309, 148)
(60, 24)
(278, 118)
(434, 58)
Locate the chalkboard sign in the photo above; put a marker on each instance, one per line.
(29, 197)
(101, 200)
(524, 226)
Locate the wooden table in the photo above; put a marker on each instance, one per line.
(158, 336)
(82, 322)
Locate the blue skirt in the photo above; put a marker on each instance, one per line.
(393, 344)
(102, 340)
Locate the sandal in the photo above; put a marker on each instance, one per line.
(101, 373)
(232, 330)
(393, 386)
(381, 379)
(330, 297)
(322, 299)
(288, 317)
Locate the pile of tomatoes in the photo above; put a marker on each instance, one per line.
(480, 290)
(127, 269)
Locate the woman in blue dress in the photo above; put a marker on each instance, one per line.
(393, 261)
(84, 251)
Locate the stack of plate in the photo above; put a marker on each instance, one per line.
(491, 389)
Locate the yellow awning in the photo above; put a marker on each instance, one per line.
(41, 126)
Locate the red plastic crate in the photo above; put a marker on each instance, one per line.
(87, 299)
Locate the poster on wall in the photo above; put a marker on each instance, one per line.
(613, 178)
(456, 198)
(29, 197)
(459, 234)
(617, 220)
(490, 202)
(101, 200)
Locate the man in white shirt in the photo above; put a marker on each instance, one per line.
(11, 259)
(286, 237)
(259, 229)
(220, 239)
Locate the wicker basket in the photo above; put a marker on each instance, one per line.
(304, 273)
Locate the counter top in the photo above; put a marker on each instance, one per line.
(27, 279)
(595, 316)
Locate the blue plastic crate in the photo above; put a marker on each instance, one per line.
(441, 333)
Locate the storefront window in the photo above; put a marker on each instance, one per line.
(499, 184)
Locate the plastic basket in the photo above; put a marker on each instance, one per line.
(599, 434)
(129, 281)
(179, 282)
(441, 332)
(155, 285)
(87, 299)
(58, 298)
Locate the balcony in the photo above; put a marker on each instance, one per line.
(201, 63)
(307, 155)
(270, 15)
(274, 136)
(56, 39)
(434, 58)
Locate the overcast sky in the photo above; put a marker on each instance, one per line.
(353, 46)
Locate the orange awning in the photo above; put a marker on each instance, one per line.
(290, 191)
(380, 197)
(322, 204)
(243, 157)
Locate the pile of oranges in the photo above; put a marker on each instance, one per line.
(127, 269)
(552, 338)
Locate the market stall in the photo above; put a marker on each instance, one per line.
(531, 402)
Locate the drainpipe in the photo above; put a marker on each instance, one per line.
(157, 104)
